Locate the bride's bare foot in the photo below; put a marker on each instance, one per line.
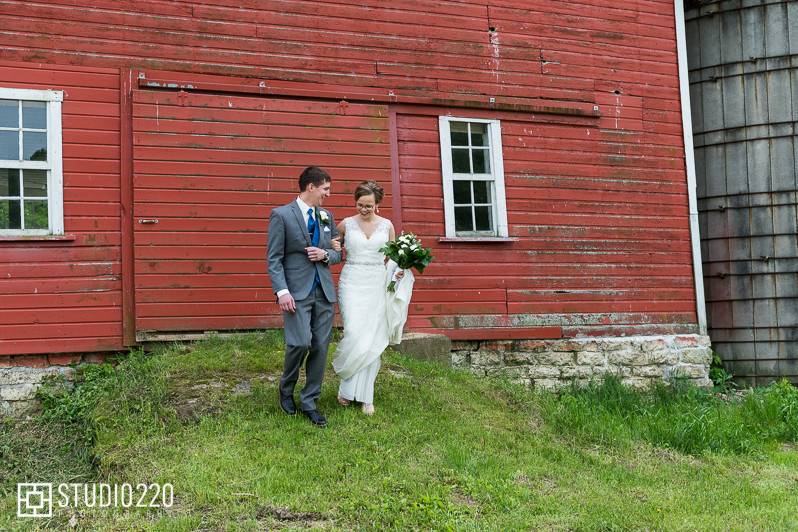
(368, 409)
(344, 402)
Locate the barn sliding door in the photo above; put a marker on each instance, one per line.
(207, 170)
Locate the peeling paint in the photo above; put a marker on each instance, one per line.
(495, 61)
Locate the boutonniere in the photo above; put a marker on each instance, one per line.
(324, 218)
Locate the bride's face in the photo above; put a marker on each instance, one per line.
(365, 206)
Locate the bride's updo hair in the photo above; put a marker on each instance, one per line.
(366, 188)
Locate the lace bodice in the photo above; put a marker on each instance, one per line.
(362, 250)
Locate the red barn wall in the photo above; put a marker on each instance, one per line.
(598, 204)
(65, 295)
(203, 265)
(554, 50)
(594, 255)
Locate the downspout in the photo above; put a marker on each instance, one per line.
(689, 162)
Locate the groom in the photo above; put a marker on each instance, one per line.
(300, 255)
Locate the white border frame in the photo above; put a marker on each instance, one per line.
(496, 175)
(54, 165)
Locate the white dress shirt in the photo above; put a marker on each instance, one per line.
(303, 207)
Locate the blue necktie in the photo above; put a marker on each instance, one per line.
(313, 231)
(313, 228)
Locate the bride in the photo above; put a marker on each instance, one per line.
(362, 298)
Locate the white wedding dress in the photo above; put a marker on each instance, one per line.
(363, 299)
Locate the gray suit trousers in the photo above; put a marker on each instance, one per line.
(307, 332)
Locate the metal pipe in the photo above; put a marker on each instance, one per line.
(689, 163)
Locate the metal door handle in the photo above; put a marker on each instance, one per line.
(148, 221)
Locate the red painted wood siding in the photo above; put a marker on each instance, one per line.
(554, 50)
(603, 239)
(66, 296)
(599, 204)
(210, 168)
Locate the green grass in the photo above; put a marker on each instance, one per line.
(679, 417)
(446, 450)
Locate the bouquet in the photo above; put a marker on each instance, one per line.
(406, 252)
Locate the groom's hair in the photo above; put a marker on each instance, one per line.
(315, 175)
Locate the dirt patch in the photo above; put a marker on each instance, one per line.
(191, 410)
(733, 395)
(194, 400)
(286, 517)
(396, 371)
(544, 485)
(462, 498)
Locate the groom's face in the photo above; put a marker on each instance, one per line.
(318, 193)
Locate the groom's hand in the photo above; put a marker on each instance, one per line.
(287, 304)
(316, 254)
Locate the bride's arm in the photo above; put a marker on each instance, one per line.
(392, 236)
(338, 241)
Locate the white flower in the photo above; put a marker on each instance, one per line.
(401, 252)
(323, 216)
(414, 247)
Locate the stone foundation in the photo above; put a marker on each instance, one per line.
(553, 364)
(22, 375)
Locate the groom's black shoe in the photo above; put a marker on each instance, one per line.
(287, 404)
(316, 418)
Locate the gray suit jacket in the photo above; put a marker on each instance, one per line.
(289, 266)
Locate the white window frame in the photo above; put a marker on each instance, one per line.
(496, 176)
(53, 164)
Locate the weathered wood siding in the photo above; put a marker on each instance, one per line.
(209, 169)
(743, 84)
(598, 203)
(553, 50)
(597, 253)
(66, 295)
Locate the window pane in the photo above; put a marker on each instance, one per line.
(34, 146)
(462, 219)
(482, 219)
(9, 113)
(35, 183)
(9, 214)
(481, 192)
(9, 182)
(481, 162)
(459, 133)
(9, 145)
(460, 163)
(479, 134)
(462, 192)
(34, 115)
(36, 214)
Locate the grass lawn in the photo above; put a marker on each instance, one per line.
(446, 450)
